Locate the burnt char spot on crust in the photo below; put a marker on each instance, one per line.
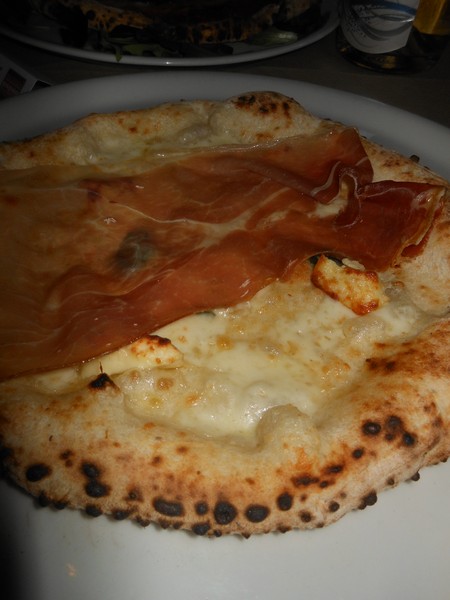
(371, 428)
(135, 495)
(335, 469)
(201, 528)
(5, 452)
(159, 340)
(408, 439)
(358, 453)
(284, 501)
(394, 427)
(387, 366)
(283, 528)
(168, 508)
(37, 472)
(304, 480)
(245, 100)
(224, 513)
(43, 500)
(368, 500)
(270, 106)
(257, 513)
(286, 108)
(93, 511)
(101, 382)
(334, 507)
(394, 423)
(120, 514)
(164, 523)
(306, 516)
(201, 508)
(94, 488)
(90, 470)
(67, 458)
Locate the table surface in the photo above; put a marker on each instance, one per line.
(426, 93)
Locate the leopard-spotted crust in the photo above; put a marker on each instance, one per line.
(86, 452)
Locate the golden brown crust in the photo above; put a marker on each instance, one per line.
(86, 449)
(88, 453)
(102, 139)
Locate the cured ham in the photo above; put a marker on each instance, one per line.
(90, 262)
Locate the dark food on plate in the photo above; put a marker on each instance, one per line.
(228, 317)
(175, 27)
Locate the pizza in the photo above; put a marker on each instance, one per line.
(229, 317)
(157, 26)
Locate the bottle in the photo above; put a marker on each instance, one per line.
(394, 37)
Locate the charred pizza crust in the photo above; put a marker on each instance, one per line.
(87, 453)
(91, 448)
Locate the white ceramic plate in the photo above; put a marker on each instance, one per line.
(44, 35)
(398, 548)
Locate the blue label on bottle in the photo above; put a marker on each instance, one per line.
(377, 27)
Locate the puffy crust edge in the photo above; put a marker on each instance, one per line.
(88, 453)
(100, 138)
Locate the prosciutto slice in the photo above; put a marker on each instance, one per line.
(90, 262)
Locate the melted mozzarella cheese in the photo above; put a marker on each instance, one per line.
(290, 345)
